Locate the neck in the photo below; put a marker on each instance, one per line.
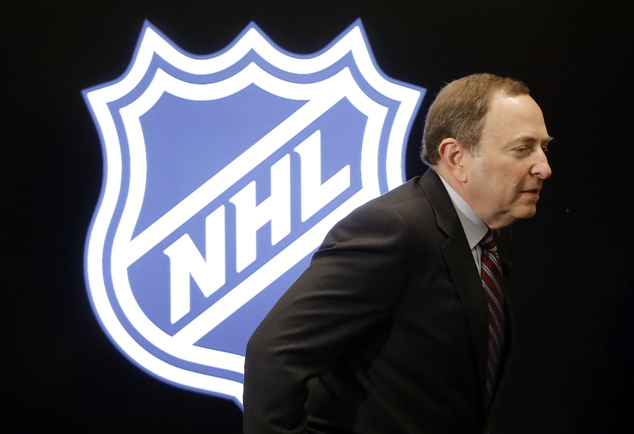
(493, 221)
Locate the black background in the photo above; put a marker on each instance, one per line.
(572, 262)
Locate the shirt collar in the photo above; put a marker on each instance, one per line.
(474, 228)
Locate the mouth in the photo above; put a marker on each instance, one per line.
(534, 191)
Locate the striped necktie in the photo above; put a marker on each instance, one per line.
(491, 275)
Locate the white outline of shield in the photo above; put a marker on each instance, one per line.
(126, 250)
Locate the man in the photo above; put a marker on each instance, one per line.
(401, 324)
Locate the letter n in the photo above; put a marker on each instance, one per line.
(186, 261)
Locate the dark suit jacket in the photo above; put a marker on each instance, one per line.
(385, 332)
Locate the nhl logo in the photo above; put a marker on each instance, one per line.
(222, 176)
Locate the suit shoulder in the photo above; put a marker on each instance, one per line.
(408, 200)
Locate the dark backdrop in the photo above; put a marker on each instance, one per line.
(572, 263)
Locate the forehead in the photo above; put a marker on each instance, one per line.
(511, 118)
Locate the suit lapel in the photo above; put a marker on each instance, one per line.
(462, 269)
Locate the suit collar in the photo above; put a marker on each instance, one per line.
(474, 227)
(462, 269)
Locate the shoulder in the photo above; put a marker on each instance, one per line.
(399, 215)
(406, 199)
(418, 200)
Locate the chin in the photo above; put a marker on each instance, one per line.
(525, 213)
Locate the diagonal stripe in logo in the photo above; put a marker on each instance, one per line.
(237, 169)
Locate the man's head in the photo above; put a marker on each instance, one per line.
(498, 166)
(459, 110)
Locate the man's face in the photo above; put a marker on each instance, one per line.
(504, 181)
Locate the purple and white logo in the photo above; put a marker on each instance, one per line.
(223, 174)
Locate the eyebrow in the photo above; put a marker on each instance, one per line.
(532, 139)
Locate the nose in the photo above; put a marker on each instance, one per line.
(541, 168)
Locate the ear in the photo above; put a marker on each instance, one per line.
(453, 154)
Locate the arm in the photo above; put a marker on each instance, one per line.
(352, 284)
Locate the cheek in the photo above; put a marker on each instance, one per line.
(502, 186)
(508, 176)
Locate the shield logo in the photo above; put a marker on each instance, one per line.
(222, 174)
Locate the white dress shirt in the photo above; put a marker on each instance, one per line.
(474, 228)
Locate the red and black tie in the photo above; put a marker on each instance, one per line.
(491, 275)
